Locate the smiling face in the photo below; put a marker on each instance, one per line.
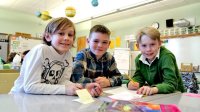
(98, 43)
(149, 47)
(62, 40)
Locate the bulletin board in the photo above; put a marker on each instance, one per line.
(20, 44)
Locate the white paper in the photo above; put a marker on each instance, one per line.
(127, 96)
(119, 90)
(77, 100)
(122, 58)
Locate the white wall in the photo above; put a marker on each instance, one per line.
(186, 50)
(12, 21)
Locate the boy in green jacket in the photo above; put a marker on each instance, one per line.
(156, 68)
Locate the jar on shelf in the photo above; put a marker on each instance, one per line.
(190, 30)
(183, 31)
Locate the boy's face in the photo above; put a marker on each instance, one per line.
(62, 40)
(98, 43)
(148, 47)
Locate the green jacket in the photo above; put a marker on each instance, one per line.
(163, 73)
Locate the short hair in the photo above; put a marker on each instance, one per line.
(151, 32)
(57, 24)
(100, 28)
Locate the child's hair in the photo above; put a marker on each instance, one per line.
(101, 29)
(25, 52)
(11, 57)
(57, 24)
(151, 32)
(23, 55)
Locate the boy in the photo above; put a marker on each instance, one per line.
(48, 68)
(156, 68)
(94, 64)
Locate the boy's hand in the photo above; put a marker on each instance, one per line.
(147, 90)
(103, 81)
(71, 88)
(133, 85)
(94, 89)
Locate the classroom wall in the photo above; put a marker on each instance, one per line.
(186, 50)
(130, 26)
(12, 21)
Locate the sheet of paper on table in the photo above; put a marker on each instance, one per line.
(84, 96)
(122, 93)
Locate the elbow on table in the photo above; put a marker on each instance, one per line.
(28, 89)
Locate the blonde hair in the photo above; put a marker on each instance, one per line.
(151, 32)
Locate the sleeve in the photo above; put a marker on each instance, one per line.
(32, 75)
(138, 77)
(116, 77)
(170, 79)
(79, 69)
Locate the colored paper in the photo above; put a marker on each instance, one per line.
(112, 44)
(127, 106)
(135, 46)
(81, 43)
(192, 95)
(84, 96)
(118, 41)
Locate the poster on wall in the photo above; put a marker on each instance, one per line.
(20, 44)
(15, 46)
(81, 43)
(122, 58)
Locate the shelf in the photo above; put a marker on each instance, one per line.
(180, 36)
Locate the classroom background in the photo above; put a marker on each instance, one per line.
(21, 31)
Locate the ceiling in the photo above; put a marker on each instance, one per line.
(107, 10)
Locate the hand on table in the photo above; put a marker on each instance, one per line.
(103, 81)
(94, 89)
(147, 90)
(70, 89)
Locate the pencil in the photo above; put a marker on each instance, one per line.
(96, 91)
(129, 78)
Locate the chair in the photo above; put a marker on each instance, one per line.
(190, 82)
(189, 78)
